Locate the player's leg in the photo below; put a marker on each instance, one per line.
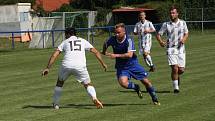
(82, 75)
(139, 73)
(92, 93)
(123, 79)
(147, 56)
(62, 76)
(181, 67)
(175, 77)
(173, 62)
(57, 93)
(151, 90)
(148, 60)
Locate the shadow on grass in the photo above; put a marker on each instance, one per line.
(79, 106)
(130, 91)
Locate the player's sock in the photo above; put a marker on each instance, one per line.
(57, 94)
(175, 84)
(92, 92)
(152, 93)
(148, 60)
(131, 85)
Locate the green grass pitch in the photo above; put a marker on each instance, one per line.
(26, 96)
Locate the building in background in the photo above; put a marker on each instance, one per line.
(50, 5)
(16, 18)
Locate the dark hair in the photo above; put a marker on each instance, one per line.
(174, 7)
(71, 31)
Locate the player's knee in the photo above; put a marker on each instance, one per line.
(181, 71)
(123, 84)
(60, 83)
(123, 81)
(146, 82)
(145, 54)
(87, 84)
(174, 69)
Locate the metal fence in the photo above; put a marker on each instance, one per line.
(200, 18)
(95, 33)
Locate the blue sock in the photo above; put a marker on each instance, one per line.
(131, 85)
(152, 93)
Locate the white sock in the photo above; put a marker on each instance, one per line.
(148, 60)
(57, 94)
(175, 84)
(92, 92)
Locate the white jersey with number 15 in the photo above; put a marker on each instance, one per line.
(74, 50)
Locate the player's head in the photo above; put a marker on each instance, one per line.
(120, 31)
(70, 32)
(142, 16)
(173, 12)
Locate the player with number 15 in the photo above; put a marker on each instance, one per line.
(74, 63)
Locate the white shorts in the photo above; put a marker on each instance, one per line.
(177, 59)
(144, 46)
(81, 74)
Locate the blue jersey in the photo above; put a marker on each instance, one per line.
(121, 48)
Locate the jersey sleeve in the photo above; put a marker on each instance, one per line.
(151, 26)
(87, 45)
(185, 27)
(109, 41)
(131, 46)
(135, 28)
(163, 29)
(60, 47)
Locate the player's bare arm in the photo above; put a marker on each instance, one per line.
(98, 56)
(161, 42)
(124, 55)
(51, 61)
(184, 39)
(149, 30)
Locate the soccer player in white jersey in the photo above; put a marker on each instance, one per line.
(143, 29)
(74, 63)
(177, 34)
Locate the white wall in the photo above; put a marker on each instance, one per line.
(8, 13)
(15, 17)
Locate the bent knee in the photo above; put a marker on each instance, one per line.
(60, 83)
(146, 82)
(87, 84)
(145, 54)
(181, 70)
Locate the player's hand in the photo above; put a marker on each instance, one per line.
(146, 31)
(162, 43)
(45, 72)
(181, 42)
(113, 56)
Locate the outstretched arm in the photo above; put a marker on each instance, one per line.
(51, 61)
(124, 55)
(98, 56)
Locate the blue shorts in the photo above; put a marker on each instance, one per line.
(136, 71)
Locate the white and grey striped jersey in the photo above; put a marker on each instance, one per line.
(141, 27)
(175, 32)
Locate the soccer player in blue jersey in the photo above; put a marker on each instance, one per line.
(127, 65)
